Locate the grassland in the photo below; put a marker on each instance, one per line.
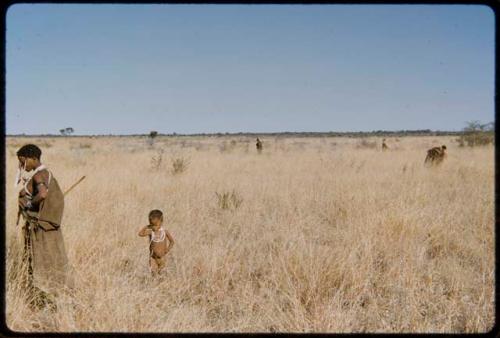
(332, 235)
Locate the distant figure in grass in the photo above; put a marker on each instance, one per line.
(384, 146)
(259, 145)
(435, 155)
(160, 241)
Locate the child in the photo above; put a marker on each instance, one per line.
(158, 236)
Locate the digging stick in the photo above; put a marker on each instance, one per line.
(74, 185)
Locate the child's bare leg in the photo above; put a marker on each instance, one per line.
(153, 266)
(160, 262)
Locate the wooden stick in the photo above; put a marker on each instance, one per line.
(74, 185)
(67, 191)
(18, 216)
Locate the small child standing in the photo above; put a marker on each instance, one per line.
(158, 246)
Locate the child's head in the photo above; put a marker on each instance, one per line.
(155, 217)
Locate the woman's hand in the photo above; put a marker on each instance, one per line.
(24, 202)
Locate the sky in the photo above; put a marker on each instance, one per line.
(130, 69)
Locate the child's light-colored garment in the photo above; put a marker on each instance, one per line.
(158, 239)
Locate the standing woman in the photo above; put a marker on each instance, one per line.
(41, 202)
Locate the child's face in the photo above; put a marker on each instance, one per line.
(156, 221)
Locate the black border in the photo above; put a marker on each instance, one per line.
(6, 332)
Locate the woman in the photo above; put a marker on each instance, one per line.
(41, 202)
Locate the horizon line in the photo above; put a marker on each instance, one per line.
(402, 131)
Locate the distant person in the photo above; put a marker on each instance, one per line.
(384, 145)
(259, 145)
(435, 155)
(160, 241)
(41, 203)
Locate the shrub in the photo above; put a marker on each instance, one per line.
(157, 160)
(228, 146)
(228, 200)
(223, 147)
(477, 134)
(476, 138)
(85, 145)
(366, 144)
(179, 165)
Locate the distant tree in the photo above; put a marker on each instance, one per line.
(477, 134)
(66, 131)
(151, 139)
(473, 126)
(490, 126)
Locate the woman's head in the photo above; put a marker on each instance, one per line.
(29, 156)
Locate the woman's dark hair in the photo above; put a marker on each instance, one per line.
(155, 214)
(30, 150)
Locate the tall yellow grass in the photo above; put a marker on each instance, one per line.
(331, 236)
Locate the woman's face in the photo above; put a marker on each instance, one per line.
(26, 163)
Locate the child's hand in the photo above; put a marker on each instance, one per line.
(145, 231)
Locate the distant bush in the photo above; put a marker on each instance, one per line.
(226, 146)
(228, 200)
(157, 160)
(366, 144)
(85, 146)
(179, 165)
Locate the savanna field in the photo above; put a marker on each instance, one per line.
(313, 235)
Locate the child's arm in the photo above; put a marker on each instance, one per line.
(170, 240)
(145, 231)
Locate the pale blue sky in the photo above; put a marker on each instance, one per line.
(126, 69)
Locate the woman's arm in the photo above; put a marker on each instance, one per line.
(41, 181)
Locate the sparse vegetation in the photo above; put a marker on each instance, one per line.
(156, 160)
(224, 147)
(355, 242)
(179, 165)
(228, 200)
(477, 134)
(367, 144)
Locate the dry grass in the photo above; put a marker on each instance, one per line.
(330, 237)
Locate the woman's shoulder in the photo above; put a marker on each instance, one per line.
(41, 174)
